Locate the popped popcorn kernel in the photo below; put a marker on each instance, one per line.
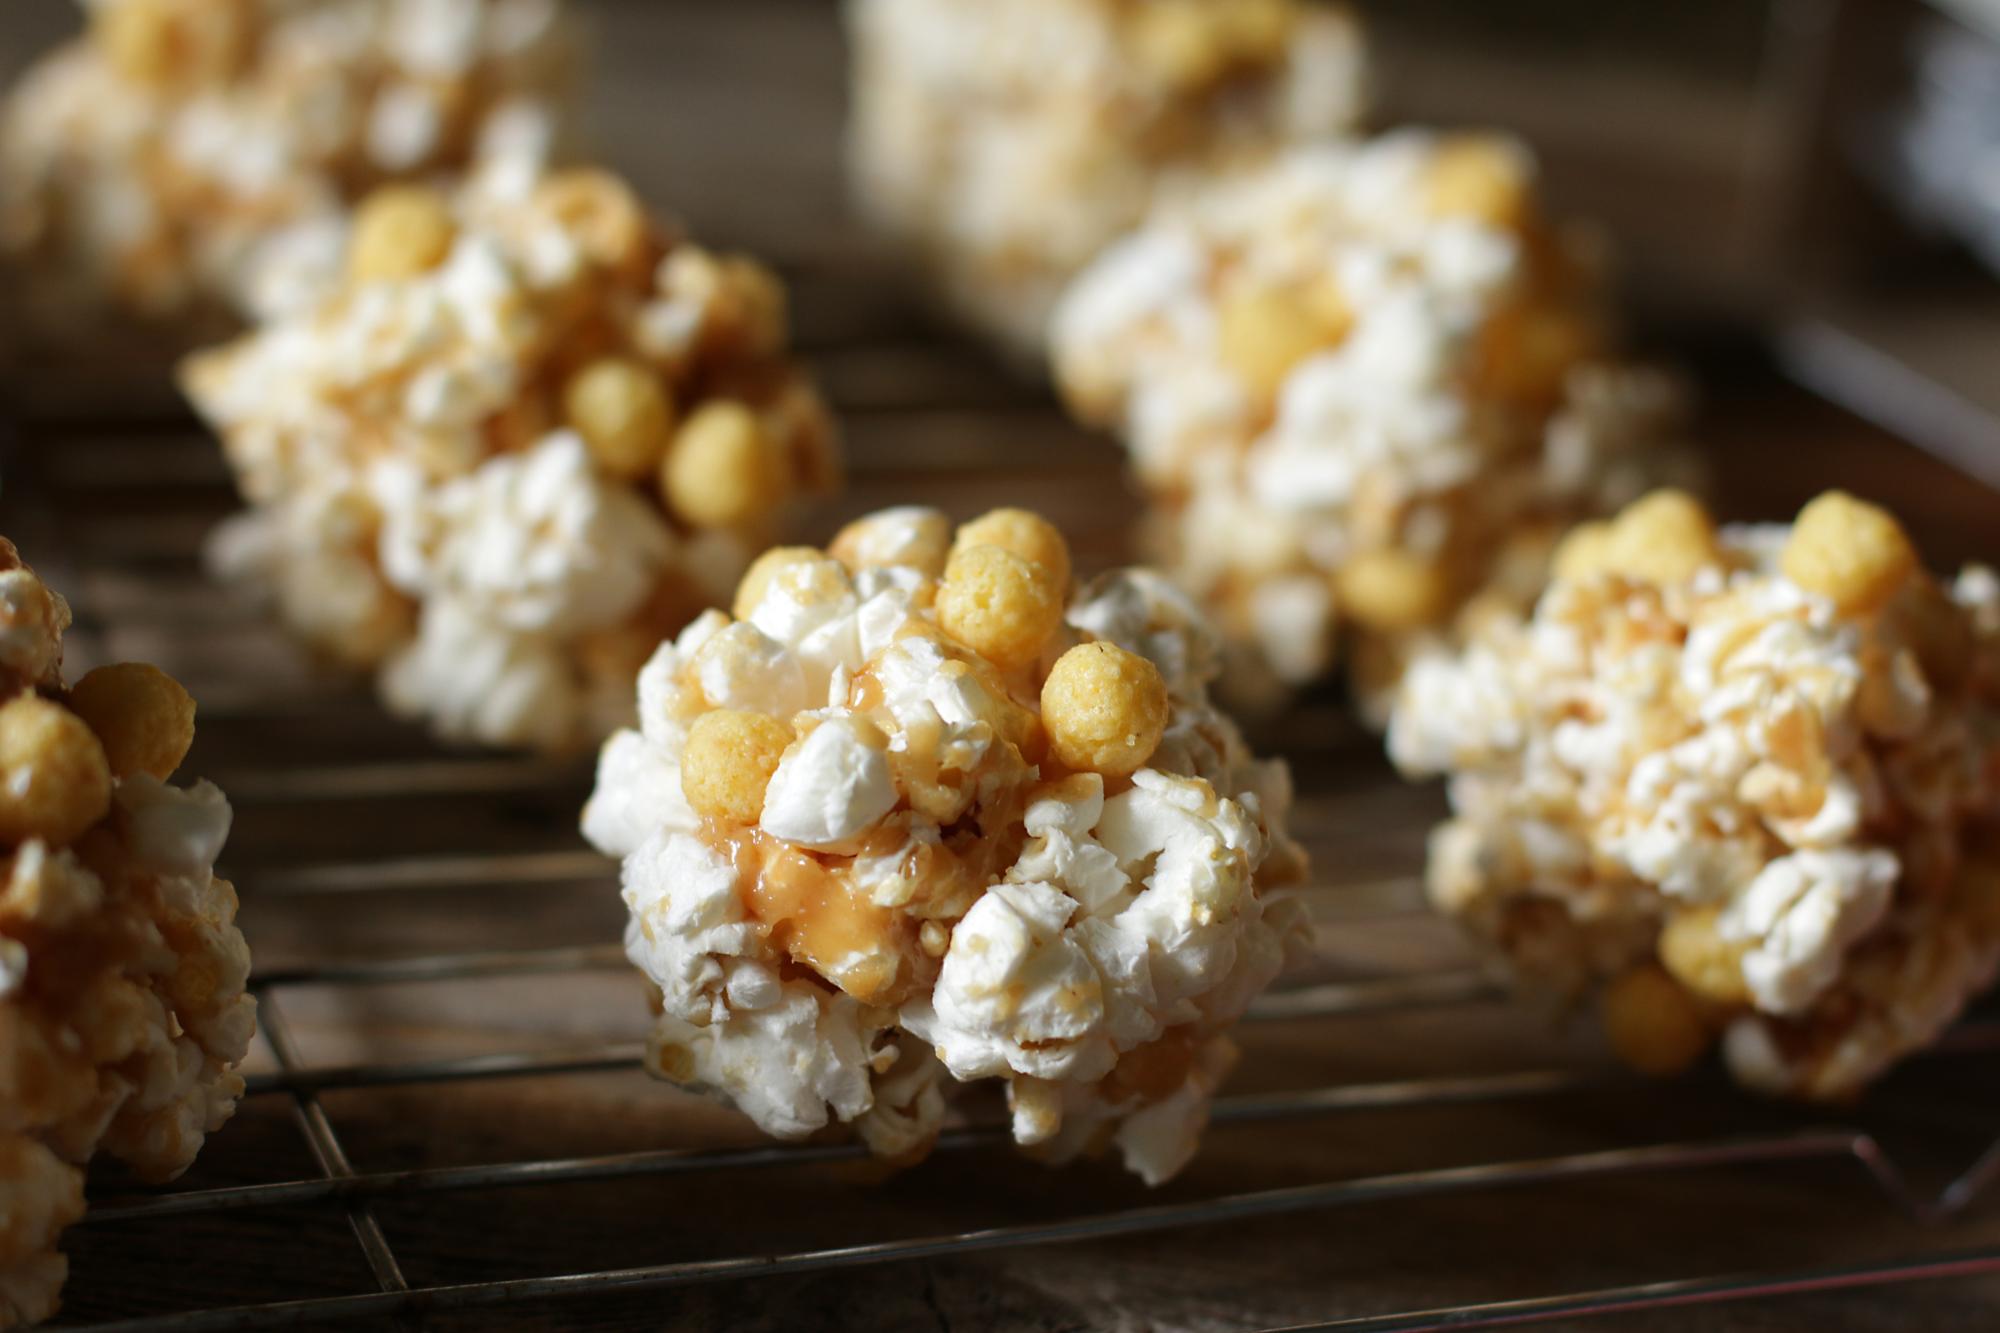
(622, 410)
(910, 536)
(1722, 802)
(867, 861)
(400, 231)
(722, 468)
(196, 166)
(1027, 535)
(1010, 144)
(123, 1013)
(1105, 709)
(727, 765)
(1654, 1025)
(1363, 385)
(54, 779)
(1849, 550)
(497, 479)
(141, 715)
(998, 604)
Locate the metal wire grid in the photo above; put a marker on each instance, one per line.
(156, 556)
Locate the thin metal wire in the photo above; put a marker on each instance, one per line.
(326, 1150)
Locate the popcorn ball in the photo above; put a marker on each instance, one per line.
(1009, 143)
(1364, 389)
(198, 157)
(122, 1007)
(1740, 784)
(923, 813)
(533, 432)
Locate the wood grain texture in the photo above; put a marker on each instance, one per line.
(729, 114)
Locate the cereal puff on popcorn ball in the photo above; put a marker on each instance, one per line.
(1364, 390)
(190, 158)
(1009, 143)
(123, 1015)
(920, 813)
(532, 433)
(1740, 783)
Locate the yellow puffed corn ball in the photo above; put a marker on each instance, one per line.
(1481, 177)
(766, 567)
(1002, 607)
(728, 762)
(1105, 709)
(1654, 1025)
(599, 212)
(55, 781)
(1849, 551)
(141, 715)
(624, 413)
(400, 232)
(1392, 590)
(1027, 535)
(1262, 334)
(722, 469)
(1694, 951)
(1665, 538)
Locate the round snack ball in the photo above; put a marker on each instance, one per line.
(1694, 951)
(1027, 535)
(1848, 550)
(728, 762)
(722, 469)
(1666, 537)
(1392, 590)
(54, 779)
(623, 411)
(1480, 177)
(400, 232)
(762, 570)
(141, 715)
(1104, 709)
(1654, 1025)
(1265, 333)
(999, 605)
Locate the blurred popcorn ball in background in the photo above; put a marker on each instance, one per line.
(1009, 143)
(122, 1007)
(194, 160)
(533, 432)
(1741, 783)
(1363, 387)
(923, 812)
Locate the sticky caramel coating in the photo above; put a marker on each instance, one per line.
(168, 42)
(1002, 607)
(400, 232)
(728, 762)
(1850, 551)
(1392, 590)
(141, 715)
(1027, 535)
(1263, 334)
(1654, 1025)
(762, 570)
(55, 781)
(723, 469)
(1105, 709)
(624, 413)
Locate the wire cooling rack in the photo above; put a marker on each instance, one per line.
(378, 872)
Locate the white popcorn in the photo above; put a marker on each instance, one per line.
(433, 495)
(917, 903)
(1010, 143)
(1779, 794)
(188, 160)
(123, 1012)
(1360, 383)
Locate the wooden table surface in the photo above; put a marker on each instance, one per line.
(353, 837)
